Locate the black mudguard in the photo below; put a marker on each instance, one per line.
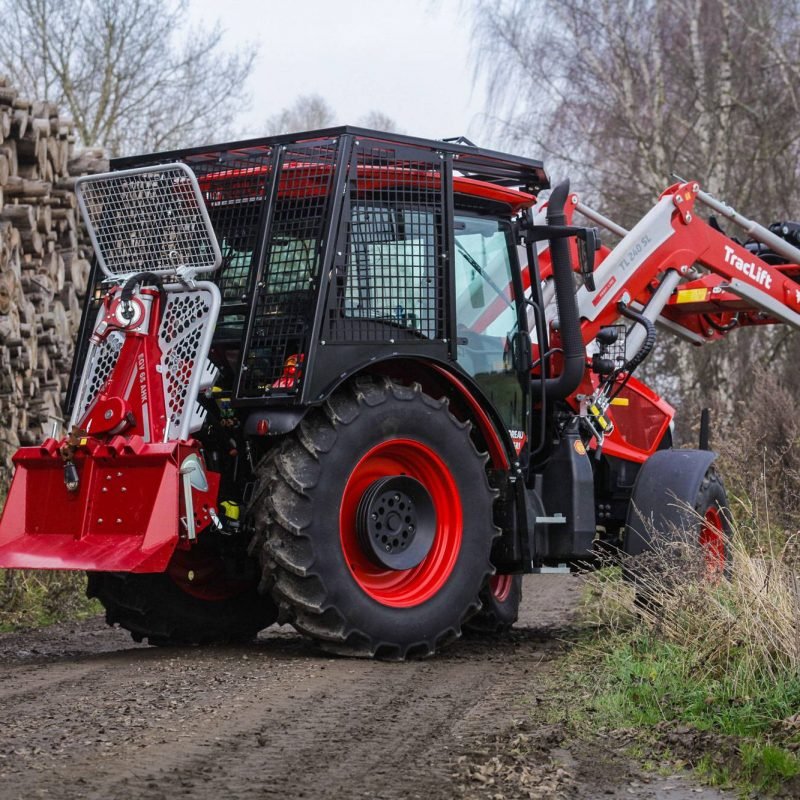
(664, 495)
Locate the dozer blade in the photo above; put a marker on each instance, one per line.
(124, 515)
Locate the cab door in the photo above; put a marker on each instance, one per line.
(487, 315)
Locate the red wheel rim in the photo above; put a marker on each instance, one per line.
(712, 540)
(410, 587)
(202, 575)
(500, 586)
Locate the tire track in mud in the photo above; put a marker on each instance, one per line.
(277, 718)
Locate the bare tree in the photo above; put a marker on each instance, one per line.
(309, 112)
(623, 93)
(379, 121)
(132, 73)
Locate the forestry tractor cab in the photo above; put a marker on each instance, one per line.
(362, 382)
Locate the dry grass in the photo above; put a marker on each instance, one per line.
(683, 643)
(745, 619)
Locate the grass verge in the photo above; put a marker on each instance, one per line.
(33, 598)
(704, 668)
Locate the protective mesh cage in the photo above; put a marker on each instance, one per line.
(285, 303)
(234, 185)
(149, 219)
(391, 284)
(616, 351)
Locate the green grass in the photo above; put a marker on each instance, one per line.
(661, 688)
(32, 599)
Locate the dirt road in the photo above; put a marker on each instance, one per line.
(85, 713)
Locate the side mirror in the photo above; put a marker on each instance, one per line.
(588, 245)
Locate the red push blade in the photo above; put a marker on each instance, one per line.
(123, 518)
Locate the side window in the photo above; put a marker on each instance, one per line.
(292, 263)
(485, 310)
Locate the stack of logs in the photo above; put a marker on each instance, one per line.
(44, 264)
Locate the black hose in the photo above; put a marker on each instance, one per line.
(126, 295)
(569, 322)
(649, 339)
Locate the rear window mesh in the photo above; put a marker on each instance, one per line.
(390, 278)
(234, 187)
(285, 305)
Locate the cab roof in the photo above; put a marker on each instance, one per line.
(478, 172)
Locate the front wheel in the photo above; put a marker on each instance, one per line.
(500, 599)
(679, 525)
(374, 522)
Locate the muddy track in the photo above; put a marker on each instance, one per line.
(84, 713)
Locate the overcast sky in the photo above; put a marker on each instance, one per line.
(406, 58)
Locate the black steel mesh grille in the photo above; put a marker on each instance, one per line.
(234, 187)
(285, 304)
(616, 352)
(390, 286)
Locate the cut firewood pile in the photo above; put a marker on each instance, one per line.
(44, 264)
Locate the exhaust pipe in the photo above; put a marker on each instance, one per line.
(569, 321)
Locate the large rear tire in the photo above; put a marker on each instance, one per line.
(190, 604)
(374, 522)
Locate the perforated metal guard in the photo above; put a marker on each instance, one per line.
(100, 361)
(150, 219)
(235, 187)
(184, 339)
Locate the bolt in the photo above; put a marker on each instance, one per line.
(374, 515)
(108, 414)
(190, 574)
(688, 217)
(104, 489)
(123, 489)
(709, 332)
(388, 548)
(100, 521)
(119, 520)
(696, 187)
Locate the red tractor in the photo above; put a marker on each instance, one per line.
(345, 379)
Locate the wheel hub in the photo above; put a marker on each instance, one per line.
(396, 522)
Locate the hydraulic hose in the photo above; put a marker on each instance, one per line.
(126, 295)
(649, 341)
(574, 356)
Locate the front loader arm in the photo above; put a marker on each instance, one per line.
(710, 283)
